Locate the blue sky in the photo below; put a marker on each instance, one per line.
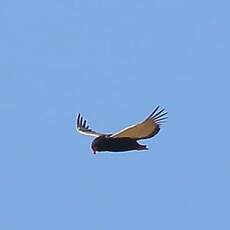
(114, 61)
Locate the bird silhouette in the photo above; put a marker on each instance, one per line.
(125, 139)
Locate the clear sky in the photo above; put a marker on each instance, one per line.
(114, 61)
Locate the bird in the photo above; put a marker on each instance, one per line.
(125, 139)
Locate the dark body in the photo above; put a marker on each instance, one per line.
(110, 144)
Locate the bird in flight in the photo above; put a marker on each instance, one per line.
(125, 139)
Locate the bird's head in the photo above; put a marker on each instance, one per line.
(97, 144)
(94, 148)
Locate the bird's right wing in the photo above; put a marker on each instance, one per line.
(83, 128)
(146, 129)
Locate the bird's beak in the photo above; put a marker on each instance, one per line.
(94, 151)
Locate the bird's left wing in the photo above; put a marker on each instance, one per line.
(146, 129)
(83, 128)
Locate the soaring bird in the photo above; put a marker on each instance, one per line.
(125, 139)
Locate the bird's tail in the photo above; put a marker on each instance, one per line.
(142, 147)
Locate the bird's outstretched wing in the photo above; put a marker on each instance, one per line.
(146, 129)
(83, 128)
